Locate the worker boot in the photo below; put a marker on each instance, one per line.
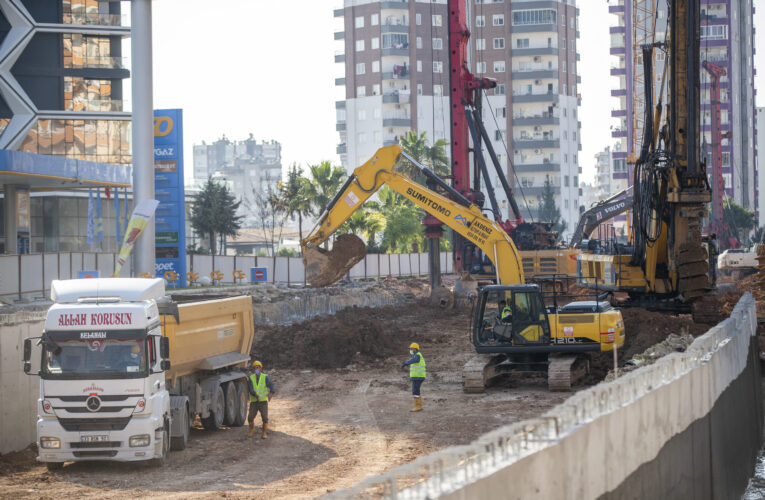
(265, 429)
(417, 404)
(252, 431)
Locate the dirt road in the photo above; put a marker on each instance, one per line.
(341, 413)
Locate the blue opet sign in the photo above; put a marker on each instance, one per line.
(170, 217)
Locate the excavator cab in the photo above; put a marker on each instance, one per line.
(510, 316)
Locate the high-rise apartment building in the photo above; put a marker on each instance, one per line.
(759, 157)
(726, 33)
(610, 179)
(396, 69)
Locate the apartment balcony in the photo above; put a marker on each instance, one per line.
(397, 122)
(535, 51)
(618, 71)
(395, 51)
(339, 12)
(339, 35)
(394, 5)
(618, 92)
(534, 74)
(88, 18)
(339, 104)
(536, 167)
(578, 78)
(538, 190)
(394, 27)
(340, 57)
(395, 98)
(618, 132)
(528, 143)
(617, 29)
(393, 75)
(340, 81)
(538, 4)
(543, 119)
(340, 126)
(535, 97)
(536, 28)
(617, 9)
(617, 51)
(342, 149)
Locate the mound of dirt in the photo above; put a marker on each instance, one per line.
(352, 336)
(18, 460)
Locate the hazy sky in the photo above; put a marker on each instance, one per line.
(240, 67)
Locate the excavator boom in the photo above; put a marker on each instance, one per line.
(465, 218)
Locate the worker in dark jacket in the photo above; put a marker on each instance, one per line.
(416, 373)
(261, 390)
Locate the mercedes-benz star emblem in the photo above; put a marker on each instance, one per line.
(93, 403)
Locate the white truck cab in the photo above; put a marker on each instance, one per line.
(102, 387)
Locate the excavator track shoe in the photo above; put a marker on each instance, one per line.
(565, 370)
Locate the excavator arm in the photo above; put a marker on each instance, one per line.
(465, 218)
(603, 211)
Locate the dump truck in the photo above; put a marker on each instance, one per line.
(124, 370)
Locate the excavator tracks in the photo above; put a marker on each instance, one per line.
(478, 371)
(564, 370)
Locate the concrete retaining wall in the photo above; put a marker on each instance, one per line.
(688, 426)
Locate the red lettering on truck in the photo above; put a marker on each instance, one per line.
(72, 319)
(101, 319)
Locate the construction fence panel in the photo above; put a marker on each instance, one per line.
(268, 264)
(31, 274)
(373, 266)
(394, 259)
(89, 261)
(282, 270)
(404, 264)
(51, 271)
(297, 270)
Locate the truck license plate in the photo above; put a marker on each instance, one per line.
(94, 439)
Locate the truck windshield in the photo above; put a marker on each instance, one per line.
(112, 354)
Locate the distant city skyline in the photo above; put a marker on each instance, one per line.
(235, 70)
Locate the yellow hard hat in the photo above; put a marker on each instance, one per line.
(257, 364)
(414, 345)
(135, 349)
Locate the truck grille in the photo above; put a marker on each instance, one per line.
(94, 424)
(103, 409)
(77, 399)
(89, 454)
(102, 444)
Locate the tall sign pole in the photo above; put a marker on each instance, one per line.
(143, 126)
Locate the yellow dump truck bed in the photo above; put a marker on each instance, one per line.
(208, 334)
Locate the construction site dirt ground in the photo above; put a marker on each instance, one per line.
(341, 412)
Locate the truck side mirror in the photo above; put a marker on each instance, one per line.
(164, 347)
(27, 367)
(164, 364)
(27, 352)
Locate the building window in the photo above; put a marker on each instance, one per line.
(438, 67)
(715, 32)
(480, 44)
(395, 41)
(564, 66)
(498, 20)
(563, 41)
(438, 90)
(480, 67)
(361, 137)
(438, 43)
(565, 89)
(360, 68)
(565, 158)
(374, 19)
(419, 66)
(726, 160)
(106, 141)
(522, 43)
(565, 134)
(571, 22)
(565, 181)
(499, 89)
(576, 181)
(419, 89)
(499, 43)
(418, 41)
(480, 21)
(564, 112)
(375, 43)
(375, 66)
(573, 134)
(536, 16)
(500, 135)
(501, 112)
(499, 66)
(437, 20)
(85, 51)
(359, 45)
(376, 113)
(361, 114)
(565, 203)
(563, 20)
(360, 22)
(361, 91)
(418, 19)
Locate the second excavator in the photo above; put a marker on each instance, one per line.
(531, 334)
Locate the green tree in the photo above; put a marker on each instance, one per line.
(214, 212)
(325, 181)
(548, 210)
(740, 221)
(295, 193)
(434, 156)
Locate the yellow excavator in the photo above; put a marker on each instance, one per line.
(667, 264)
(515, 326)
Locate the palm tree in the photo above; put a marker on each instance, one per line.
(325, 182)
(294, 192)
(434, 156)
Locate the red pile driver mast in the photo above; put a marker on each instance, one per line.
(718, 183)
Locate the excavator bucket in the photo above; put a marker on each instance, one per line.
(324, 267)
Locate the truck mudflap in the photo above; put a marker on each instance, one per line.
(113, 445)
(180, 422)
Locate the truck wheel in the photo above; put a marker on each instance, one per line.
(54, 465)
(232, 404)
(161, 460)
(243, 397)
(217, 411)
(178, 443)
